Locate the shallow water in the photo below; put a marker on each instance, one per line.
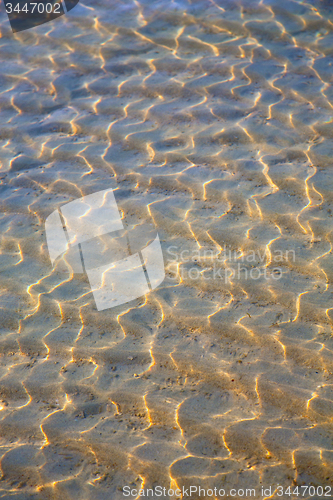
(215, 119)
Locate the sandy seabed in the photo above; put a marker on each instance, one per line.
(215, 120)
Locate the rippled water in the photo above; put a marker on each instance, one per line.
(215, 119)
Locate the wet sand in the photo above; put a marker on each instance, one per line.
(215, 119)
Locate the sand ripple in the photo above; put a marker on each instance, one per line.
(214, 118)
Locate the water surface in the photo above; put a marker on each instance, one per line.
(215, 119)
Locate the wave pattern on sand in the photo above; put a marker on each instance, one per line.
(215, 119)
